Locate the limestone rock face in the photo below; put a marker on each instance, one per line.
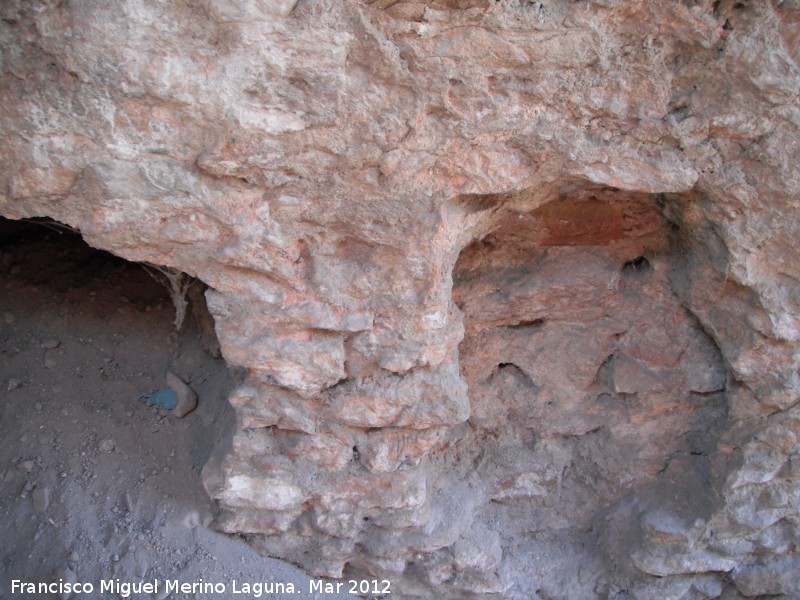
(516, 284)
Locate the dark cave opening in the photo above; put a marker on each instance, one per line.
(98, 329)
(98, 482)
(52, 256)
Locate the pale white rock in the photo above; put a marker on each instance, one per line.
(249, 10)
(478, 550)
(187, 398)
(267, 494)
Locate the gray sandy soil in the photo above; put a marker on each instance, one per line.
(95, 484)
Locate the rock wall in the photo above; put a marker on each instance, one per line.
(516, 284)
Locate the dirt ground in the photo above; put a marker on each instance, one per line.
(95, 485)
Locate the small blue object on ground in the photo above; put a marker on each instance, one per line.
(165, 397)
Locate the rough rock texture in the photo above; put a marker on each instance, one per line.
(516, 284)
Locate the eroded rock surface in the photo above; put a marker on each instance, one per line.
(515, 283)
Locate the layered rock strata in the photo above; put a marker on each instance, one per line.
(515, 284)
